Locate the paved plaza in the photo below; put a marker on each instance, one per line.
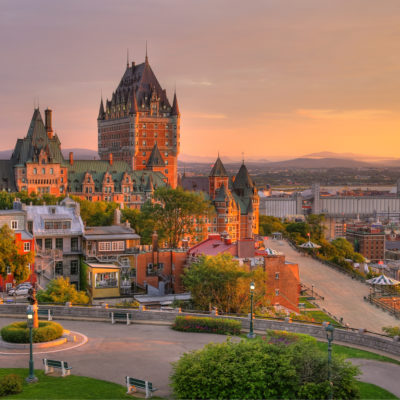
(146, 352)
(343, 296)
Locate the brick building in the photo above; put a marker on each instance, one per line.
(235, 200)
(367, 240)
(16, 219)
(139, 120)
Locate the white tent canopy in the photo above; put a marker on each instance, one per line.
(383, 280)
(310, 245)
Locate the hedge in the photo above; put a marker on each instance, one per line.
(18, 332)
(207, 325)
(10, 384)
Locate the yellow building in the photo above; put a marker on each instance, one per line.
(103, 280)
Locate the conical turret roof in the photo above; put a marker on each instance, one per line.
(101, 110)
(149, 185)
(243, 180)
(175, 107)
(218, 169)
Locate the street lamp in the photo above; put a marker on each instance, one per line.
(251, 334)
(329, 336)
(29, 313)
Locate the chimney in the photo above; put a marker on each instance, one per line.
(48, 123)
(117, 216)
(154, 238)
(71, 158)
(133, 64)
(110, 158)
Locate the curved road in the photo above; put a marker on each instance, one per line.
(146, 352)
(344, 297)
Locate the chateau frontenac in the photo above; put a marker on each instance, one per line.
(139, 122)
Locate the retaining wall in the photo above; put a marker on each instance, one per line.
(360, 338)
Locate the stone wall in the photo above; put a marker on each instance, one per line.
(359, 338)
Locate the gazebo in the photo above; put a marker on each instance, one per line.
(383, 282)
(309, 245)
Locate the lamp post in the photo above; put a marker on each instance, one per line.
(329, 335)
(29, 313)
(251, 334)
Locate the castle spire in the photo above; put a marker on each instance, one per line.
(127, 58)
(175, 107)
(101, 110)
(146, 58)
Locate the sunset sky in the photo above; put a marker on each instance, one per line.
(271, 78)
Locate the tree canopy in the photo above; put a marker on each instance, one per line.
(60, 290)
(11, 256)
(220, 281)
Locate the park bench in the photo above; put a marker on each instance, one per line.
(46, 313)
(132, 384)
(49, 366)
(122, 316)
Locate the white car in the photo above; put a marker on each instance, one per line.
(21, 289)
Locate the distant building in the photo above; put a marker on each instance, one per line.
(368, 241)
(235, 200)
(16, 220)
(138, 121)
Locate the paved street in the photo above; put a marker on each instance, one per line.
(343, 295)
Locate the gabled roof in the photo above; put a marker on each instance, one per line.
(36, 140)
(218, 169)
(149, 185)
(155, 159)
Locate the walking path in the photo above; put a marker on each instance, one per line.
(343, 296)
(146, 352)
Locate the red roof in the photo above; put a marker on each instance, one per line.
(212, 246)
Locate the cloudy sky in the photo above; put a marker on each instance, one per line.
(271, 78)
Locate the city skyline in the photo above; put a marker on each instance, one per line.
(272, 79)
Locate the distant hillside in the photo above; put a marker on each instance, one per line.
(79, 154)
(320, 163)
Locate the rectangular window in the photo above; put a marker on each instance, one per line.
(276, 275)
(14, 225)
(106, 280)
(39, 243)
(74, 267)
(74, 244)
(59, 268)
(27, 247)
(118, 246)
(59, 243)
(8, 270)
(48, 244)
(104, 246)
(30, 226)
(276, 292)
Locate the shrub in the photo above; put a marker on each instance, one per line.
(18, 332)
(256, 369)
(392, 331)
(287, 338)
(10, 384)
(207, 325)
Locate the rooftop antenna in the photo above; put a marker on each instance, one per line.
(146, 59)
(243, 157)
(127, 58)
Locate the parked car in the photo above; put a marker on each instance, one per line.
(21, 289)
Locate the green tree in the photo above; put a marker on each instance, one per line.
(256, 369)
(97, 213)
(175, 210)
(60, 290)
(269, 224)
(219, 281)
(12, 256)
(316, 228)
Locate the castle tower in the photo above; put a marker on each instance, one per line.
(217, 177)
(138, 116)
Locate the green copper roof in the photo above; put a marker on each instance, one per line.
(218, 169)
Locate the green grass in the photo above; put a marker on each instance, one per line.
(320, 316)
(306, 302)
(370, 391)
(70, 387)
(350, 352)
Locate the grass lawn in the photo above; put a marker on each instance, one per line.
(350, 352)
(306, 302)
(70, 387)
(370, 391)
(320, 316)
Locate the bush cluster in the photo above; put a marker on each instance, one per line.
(257, 369)
(10, 384)
(392, 331)
(18, 332)
(207, 325)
